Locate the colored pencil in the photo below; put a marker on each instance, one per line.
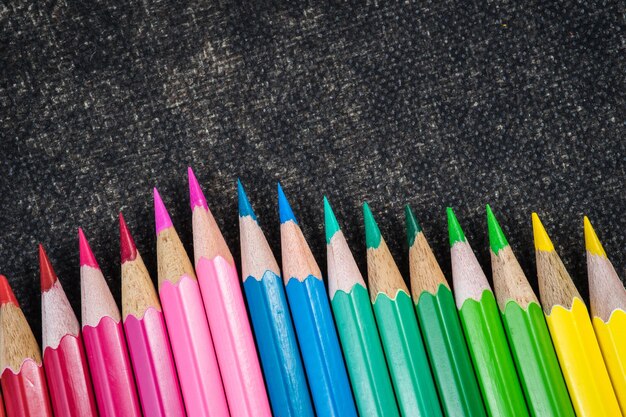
(359, 336)
(22, 376)
(148, 342)
(315, 329)
(67, 373)
(226, 312)
(271, 319)
(186, 321)
(608, 309)
(439, 321)
(574, 340)
(526, 329)
(399, 331)
(484, 333)
(2, 413)
(107, 355)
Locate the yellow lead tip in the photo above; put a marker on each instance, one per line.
(592, 243)
(542, 240)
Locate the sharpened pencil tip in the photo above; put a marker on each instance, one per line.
(284, 209)
(592, 243)
(86, 254)
(128, 249)
(455, 232)
(161, 216)
(372, 232)
(46, 272)
(6, 293)
(497, 239)
(245, 208)
(196, 196)
(330, 221)
(542, 240)
(413, 228)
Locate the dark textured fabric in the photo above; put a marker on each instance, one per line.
(436, 104)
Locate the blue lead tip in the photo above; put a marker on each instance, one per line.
(245, 209)
(284, 209)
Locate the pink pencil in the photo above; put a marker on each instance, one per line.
(113, 382)
(226, 312)
(146, 334)
(186, 321)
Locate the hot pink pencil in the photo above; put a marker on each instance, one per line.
(226, 312)
(113, 382)
(186, 321)
(146, 334)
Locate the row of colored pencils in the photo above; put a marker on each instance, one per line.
(187, 346)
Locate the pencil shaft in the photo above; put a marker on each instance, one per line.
(492, 359)
(278, 348)
(151, 357)
(26, 392)
(69, 381)
(612, 339)
(320, 349)
(406, 356)
(363, 351)
(192, 346)
(232, 337)
(111, 371)
(448, 354)
(537, 365)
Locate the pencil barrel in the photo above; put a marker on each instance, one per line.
(26, 393)
(278, 347)
(364, 355)
(612, 339)
(406, 356)
(69, 381)
(536, 361)
(451, 364)
(491, 357)
(319, 345)
(232, 338)
(581, 361)
(149, 349)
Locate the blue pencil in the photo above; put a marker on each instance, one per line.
(271, 320)
(313, 319)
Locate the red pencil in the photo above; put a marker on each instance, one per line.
(63, 351)
(104, 341)
(23, 380)
(146, 334)
(2, 414)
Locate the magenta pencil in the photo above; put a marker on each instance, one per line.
(186, 321)
(226, 312)
(113, 383)
(146, 334)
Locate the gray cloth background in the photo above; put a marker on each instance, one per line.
(443, 103)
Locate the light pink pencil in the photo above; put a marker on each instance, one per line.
(226, 312)
(186, 321)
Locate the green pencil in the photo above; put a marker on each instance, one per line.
(359, 337)
(485, 335)
(527, 331)
(402, 342)
(441, 328)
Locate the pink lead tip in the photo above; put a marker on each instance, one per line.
(196, 197)
(128, 250)
(161, 217)
(86, 254)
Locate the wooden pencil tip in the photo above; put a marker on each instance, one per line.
(497, 239)
(128, 249)
(245, 208)
(86, 254)
(6, 293)
(330, 221)
(46, 272)
(455, 231)
(413, 227)
(592, 243)
(196, 196)
(284, 208)
(372, 231)
(542, 240)
(161, 216)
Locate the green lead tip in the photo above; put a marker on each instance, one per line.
(497, 240)
(454, 228)
(332, 226)
(412, 226)
(372, 232)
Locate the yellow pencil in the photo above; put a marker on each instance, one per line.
(608, 309)
(575, 343)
